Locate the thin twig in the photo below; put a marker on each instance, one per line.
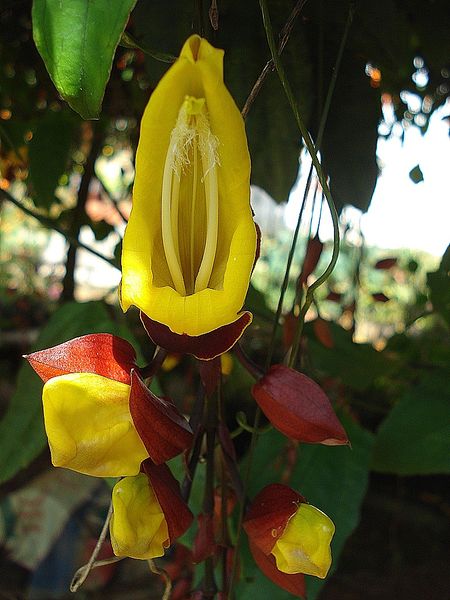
(270, 65)
(81, 575)
(167, 581)
(53, 225)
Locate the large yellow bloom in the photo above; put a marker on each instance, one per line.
(190, 244)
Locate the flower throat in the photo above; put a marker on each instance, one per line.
(189, 215)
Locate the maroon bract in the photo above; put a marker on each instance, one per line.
(386, 263)
(269, 513)
(334, 297)
(294, 584)
(313, 251)
(204, 543)
(322, 332)
(100, 353)
(206, 346)
(163, 430)
(167, 491)
(298, 407)
(380, 297)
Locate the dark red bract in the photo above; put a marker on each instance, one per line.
(204, 347)
(100, 353)
(298, 407)
(164, 432)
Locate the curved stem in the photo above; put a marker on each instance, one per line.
(81, 575)
(315, 163)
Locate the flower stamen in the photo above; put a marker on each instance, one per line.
(190, 198)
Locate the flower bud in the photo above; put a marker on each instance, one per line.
(138, 527)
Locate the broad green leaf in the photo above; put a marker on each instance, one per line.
(356, 365)
(333, 479)
(414, 439)
(22, 435)
(351, 134)
(49, 154)
(77, 41)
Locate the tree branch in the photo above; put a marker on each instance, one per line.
(53, 225)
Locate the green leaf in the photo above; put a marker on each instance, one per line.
(77, 41)
(22, 435)
(356, 365)
(416, 174)
(415, 437)
(351, 135)
(333, 479)
(49, 154)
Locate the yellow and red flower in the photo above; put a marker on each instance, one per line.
(100, 418)
(190, 244)
(288, 537)
(148, 513)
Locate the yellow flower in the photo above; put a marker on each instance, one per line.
(89, 425)
(138, 527)
(190, 244)
(304, 546)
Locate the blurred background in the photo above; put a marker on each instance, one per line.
(377, 335)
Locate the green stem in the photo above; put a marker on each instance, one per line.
(315, 163)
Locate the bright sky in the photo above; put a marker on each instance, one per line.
(403, 214)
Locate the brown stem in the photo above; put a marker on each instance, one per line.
(251, 367)
(153, 367)
(209, 583)
(53, 225)
(79, 214)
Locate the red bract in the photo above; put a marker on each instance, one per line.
(294, 584)
(334, 297)
(163, 430)
(380, 297)
(385, 264)
(167, 491)
(100, 353)
(322, 332)
(204, 347)
(204, 543)
(298, 407)
(313, 252)
(269, 513)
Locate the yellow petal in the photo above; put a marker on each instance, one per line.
(138, 527)
(89, 426)
(190, 243)
(304, 546)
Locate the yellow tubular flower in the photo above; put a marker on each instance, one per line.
(138, 526)
(304, 546)
(89, 426)
(190, 243)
